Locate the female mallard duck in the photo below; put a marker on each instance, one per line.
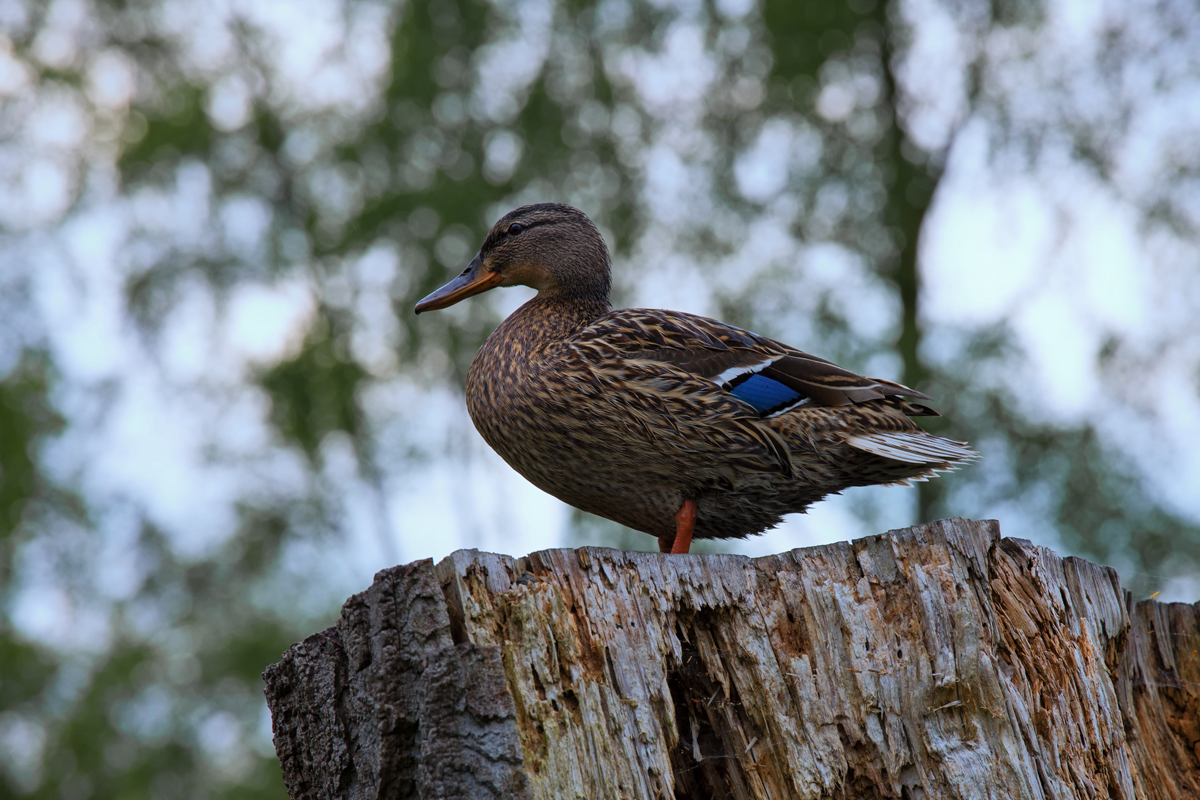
(669, 423)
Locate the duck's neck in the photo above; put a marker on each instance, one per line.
(549, 318)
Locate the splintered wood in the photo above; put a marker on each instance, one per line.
(934, 662)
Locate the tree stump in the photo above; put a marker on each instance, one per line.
(940, 661)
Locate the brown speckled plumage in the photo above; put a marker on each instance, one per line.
(628, 413)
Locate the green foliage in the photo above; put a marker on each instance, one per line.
(315, 393)
(26, 418)
(804, 34)
(27, 671)
(120, 738)
(177, 129)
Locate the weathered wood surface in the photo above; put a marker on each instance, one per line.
(934, 662)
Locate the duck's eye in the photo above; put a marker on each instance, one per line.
(515, 228)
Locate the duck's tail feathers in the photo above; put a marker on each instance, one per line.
(915, 448)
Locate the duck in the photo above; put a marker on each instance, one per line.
(677, 425)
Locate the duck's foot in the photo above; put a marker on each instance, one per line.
(685, 523)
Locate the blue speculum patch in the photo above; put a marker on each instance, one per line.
(764, 394)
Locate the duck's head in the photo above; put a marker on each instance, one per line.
(550, 247)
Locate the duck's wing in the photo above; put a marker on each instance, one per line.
(765, 374)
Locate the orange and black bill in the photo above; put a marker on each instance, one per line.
(474, 279)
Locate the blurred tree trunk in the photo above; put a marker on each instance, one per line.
(937, 661)
(909, 198)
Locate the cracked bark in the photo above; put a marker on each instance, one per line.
(934, 662)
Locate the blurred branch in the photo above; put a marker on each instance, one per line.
(909, 196)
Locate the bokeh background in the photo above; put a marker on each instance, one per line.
(219, 417)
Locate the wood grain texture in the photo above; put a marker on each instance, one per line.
(933, 662)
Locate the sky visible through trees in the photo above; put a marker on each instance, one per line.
(219, 417)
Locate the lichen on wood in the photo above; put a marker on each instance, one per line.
(939, 661)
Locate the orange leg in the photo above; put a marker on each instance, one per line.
(685, 523)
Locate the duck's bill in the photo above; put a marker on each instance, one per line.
(474, 279)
